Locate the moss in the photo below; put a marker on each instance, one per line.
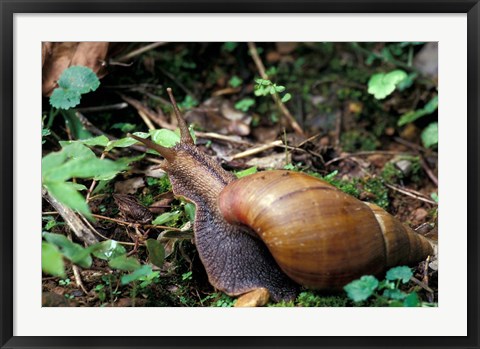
(379, 191)
(282, 304)
(223, 301)
(391, 174)
(311, 299)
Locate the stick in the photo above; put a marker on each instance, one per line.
(261, 69)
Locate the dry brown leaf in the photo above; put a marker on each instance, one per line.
(129, 186)
(57, 56)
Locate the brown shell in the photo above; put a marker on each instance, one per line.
(321, 237)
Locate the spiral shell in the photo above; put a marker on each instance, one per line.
(320, 237)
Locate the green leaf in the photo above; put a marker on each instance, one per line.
(190, 211)
(124, 127)
(430, 135)
(76, 127)
(74, 252)
(91, 142)
(361, 289)
(411, 116)
(395, 294)
(79, 78)
(399, 273)
(69, 196)
(120, 143)
(407, 82)
(246, 172)
(156, 252)
(107, 249)
(124, 263)
(382, 84)
(166, 217)
(279, 88)
(412, 300)
(98, 169)
(137, 274)
(73, 82)
(286, 97)
(52, 260)
(64, 99)
(244, 104)
(229, 46)
(165, 137)
(235, 81)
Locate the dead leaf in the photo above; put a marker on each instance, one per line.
(57, 56)
(129, 186)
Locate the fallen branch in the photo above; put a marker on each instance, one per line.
(79, 228)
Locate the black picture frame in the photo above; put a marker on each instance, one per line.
(10, 7)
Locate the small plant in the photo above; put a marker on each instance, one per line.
(235, 81)
(73, 82)
(64, 282)
(265, 87)
(224, 301)
(367, 286)
(383, 84)
(244, 104)
(187, 276)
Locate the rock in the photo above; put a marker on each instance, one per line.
(405, 166)
(255, 298)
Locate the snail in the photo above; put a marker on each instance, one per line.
(282, 229)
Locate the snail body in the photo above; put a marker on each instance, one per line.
(282, 229)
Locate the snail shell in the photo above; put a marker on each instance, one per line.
(320, 237)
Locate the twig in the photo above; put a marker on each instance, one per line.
(412, 193)
(94, 182)
(261, 69)
(232, 139)
(134, 224)
(412, 145)
(116, 106)
(256, 150)
(140, 50)
(421, 284)
(72, 219)
(145, 113)
(428, 171)
(76, 272)
(146, 120)
(78, 279)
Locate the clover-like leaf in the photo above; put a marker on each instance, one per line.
(403, 273)
(382, 84)
(73, 82)
(430, 135)
(361, 289)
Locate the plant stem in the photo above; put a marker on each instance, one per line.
(261, 69)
